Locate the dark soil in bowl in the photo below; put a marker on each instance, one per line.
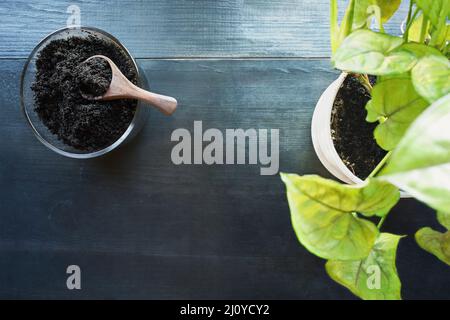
(352, 134)
(83, 124)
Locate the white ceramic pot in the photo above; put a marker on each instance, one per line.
(321, 136)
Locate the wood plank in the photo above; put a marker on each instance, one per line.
(41, 275)
(141, 227)
(181, 28)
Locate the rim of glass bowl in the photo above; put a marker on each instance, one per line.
(36, 132)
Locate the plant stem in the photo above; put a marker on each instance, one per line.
(423, 29)
(373, 174)
(380, 224)
(408, 19)
(347, 22)
(408, 26)
(334, 28)
(380, 165)
(365, 82)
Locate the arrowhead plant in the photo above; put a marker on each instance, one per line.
(411, 104)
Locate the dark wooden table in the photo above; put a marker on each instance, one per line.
(142, 227)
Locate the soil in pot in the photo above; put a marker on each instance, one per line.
(352, 134)
(61, 76)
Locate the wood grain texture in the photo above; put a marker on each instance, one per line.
(183, 28)
(141, 227)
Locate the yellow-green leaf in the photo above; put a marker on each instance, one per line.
(388, 8)
(419, 50)
(414, 32)
(323, 214)
(395, 104)
(444, 218)
(373, 278)
(420, 164)
(368, 52)
(363, 10)
(360, 13)
(436, 10)
(431, 77)
(434, 242)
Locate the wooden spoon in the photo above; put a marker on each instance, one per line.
(122, 88)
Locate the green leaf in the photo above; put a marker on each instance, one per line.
(415, 31)
(431, 77)
(419, 50)
(373, 278)
(395, 104)
(363, 11)
(360, 13)
(444, 219)
(388, 8)
(435, 10)
(435, 243)
(324, 219)
(438, 37)
(420, 164)
(369, 52)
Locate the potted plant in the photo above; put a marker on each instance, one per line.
(409, 110)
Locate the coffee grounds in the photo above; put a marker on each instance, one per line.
(83, 124)
(352, 134)
(94, 77)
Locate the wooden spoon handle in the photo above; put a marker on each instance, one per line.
(121, 87)
(165, 104)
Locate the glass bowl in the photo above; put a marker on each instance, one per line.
(41, 132)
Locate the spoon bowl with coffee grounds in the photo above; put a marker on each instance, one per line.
(122, 88)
